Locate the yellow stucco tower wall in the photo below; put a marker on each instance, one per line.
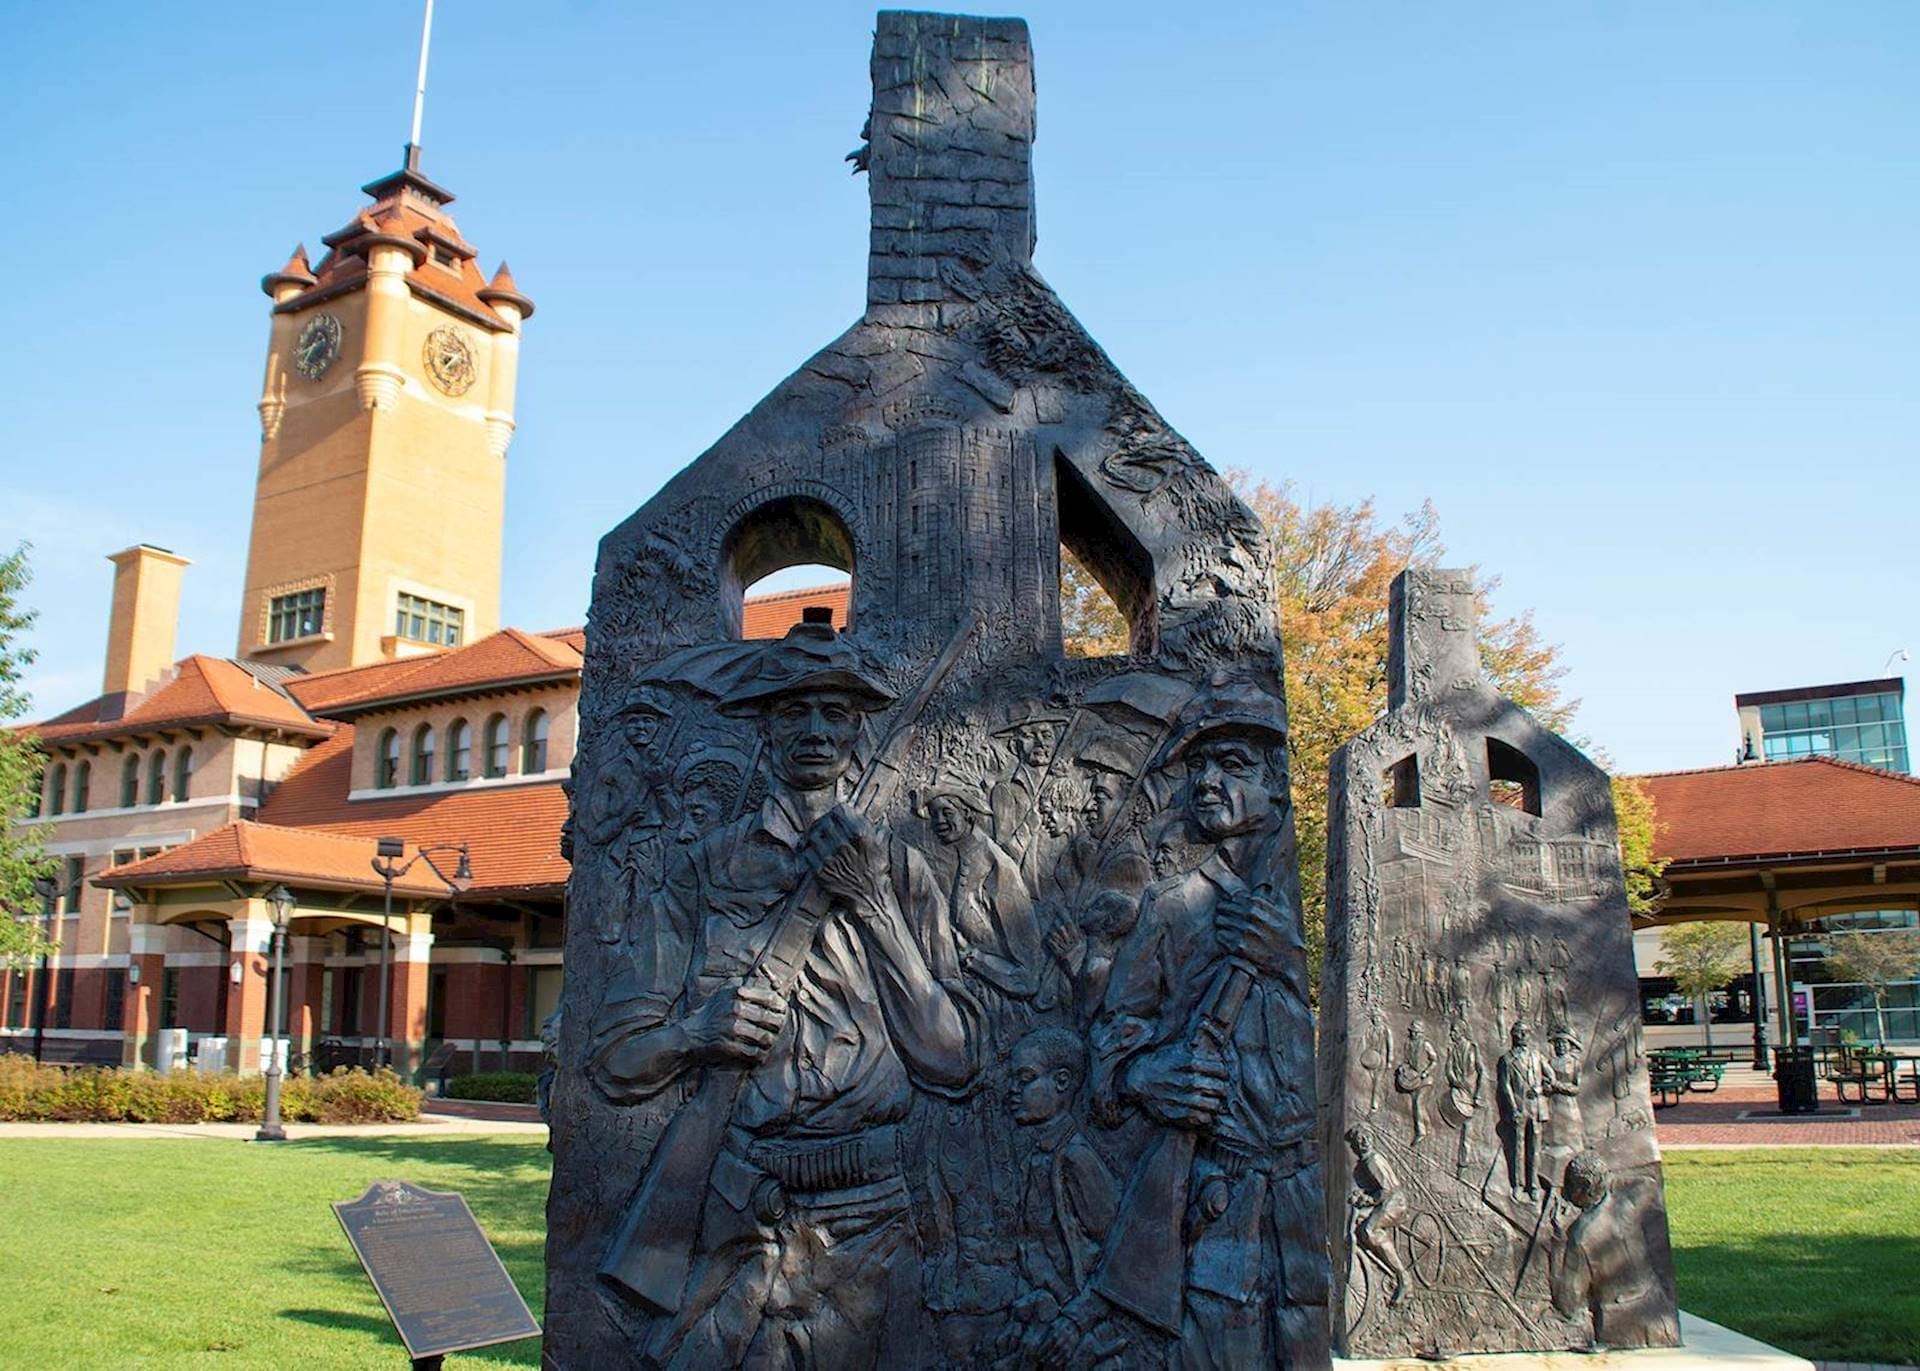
(385, 419)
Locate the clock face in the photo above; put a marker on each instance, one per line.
(449, 359)
(317, 346)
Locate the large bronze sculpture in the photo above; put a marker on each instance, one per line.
(934, 998)
(1495, 1182)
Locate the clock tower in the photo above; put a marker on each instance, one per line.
(384, 425)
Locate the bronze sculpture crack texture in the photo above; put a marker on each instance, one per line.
(936, 999)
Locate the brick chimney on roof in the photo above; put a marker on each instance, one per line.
(949, 154)
(140, 629)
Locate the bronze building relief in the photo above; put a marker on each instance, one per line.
(1494, 1181)
(934, 998)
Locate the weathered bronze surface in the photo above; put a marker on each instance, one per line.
(434, 1270)
(934, 998)
(1495, 1181)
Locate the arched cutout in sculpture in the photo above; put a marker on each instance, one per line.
(788, 531)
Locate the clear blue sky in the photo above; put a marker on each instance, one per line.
(1628, 290)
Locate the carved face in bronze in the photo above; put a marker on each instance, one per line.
(1055, 815)
(1034, 744)
(1228, 788)
(641, 728)
(1103, 800)
(949, 818)
(810, 736)
(700, 810)
(1044, 1081)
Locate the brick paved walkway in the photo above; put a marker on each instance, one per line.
(1716, 1120)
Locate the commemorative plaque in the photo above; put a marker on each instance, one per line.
(434, 1270)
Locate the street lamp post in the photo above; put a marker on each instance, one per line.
(280, 901)
(52, 890)
(390, 868)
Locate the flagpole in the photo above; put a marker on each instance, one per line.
(420, 90)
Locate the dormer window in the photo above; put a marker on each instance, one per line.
(428, 621)
(446, 259)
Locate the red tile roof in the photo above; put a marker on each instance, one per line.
(1781, 810)
(509, 657)
(255, 851)
(323, 689)
(411, 209)
(203, 690)
(770, 616)
(513, 831)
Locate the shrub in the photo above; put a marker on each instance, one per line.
(507, 1087)
(32, 1092)
(350, 1095)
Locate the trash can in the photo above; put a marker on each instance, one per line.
(1794, 1081)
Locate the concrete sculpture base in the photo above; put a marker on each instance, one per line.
(1704, 1346)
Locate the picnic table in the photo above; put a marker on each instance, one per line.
(1873, 1074)
(1676, 1071)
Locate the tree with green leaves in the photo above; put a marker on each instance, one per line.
(1701, 958)
(1879, 959)
(23, 860)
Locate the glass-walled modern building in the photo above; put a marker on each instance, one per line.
(1861, 721)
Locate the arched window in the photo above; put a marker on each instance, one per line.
(496, 746)
(182, 772)
(57, 789)
(533, 743)
(386, 765)
(82, 784)
(459, 750)
(157, 776)
(794, 532)
(420, 769)
(130, 781)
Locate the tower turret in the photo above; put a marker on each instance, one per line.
(386, 414)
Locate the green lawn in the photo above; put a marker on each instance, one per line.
(1813, 1250)
(206, 1252)
(189, 1252)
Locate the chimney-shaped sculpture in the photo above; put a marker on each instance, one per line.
(998, 798)
(1480, 1051)
(145, 616)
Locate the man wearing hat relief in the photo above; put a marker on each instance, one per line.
(806, 1239)
(1254, 1295)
